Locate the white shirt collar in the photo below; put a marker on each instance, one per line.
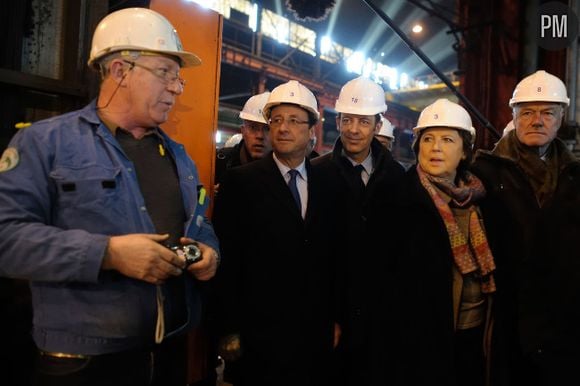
(285, 169)
(367, 163)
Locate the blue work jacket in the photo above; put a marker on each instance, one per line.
(56, 236)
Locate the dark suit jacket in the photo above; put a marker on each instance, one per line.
(226, 158)
(538, 260)
(276, 282)
(368, 214)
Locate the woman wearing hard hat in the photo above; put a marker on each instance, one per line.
(446, 265)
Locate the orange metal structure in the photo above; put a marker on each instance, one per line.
(193, 120)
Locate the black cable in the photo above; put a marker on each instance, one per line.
(116, 89)
(434, 68)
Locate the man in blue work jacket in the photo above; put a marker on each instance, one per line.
(90, 204)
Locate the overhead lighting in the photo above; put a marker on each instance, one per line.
(253, 22)
(283, 33)
(325, 44)
(368, 68)
(356, 62)
(393, 78)
(417, 28)
(403, 80)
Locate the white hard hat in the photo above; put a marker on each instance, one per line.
(540, 87)
(295, 93)
(233, 140)
(444, 113)
(361, 96)
(254, 108)
(138, 29)
(386, 128)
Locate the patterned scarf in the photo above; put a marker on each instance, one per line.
(475, 255)
(543, 175)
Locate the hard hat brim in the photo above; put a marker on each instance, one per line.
(252, 117)
(187, 59)
(339, 108)
(516, 101)
(472, 132)
(269, 106)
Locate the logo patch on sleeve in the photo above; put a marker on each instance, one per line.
(9, 160)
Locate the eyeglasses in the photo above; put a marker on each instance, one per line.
(163, 74)
(255, 127)
(291, 122)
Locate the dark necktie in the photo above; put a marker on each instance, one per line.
(358, 169)
(294, 188)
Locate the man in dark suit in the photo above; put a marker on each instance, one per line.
(532, 212)
(278, 225)
(365, 174)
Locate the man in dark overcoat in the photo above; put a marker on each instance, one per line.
(280, 232)
(533, 211)
(364, 175)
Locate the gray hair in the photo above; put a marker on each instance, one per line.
(105, 61)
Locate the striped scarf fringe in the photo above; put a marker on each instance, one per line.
(478, 257)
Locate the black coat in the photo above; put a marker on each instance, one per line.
(358, 362)
(538, 260)
(276, 285)
(424, 290)
(226, 158)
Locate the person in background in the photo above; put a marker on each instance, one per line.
(385, 134)
(278, 225)
(533, 205)
(445, 267)
(364, 175)
(255, 142)
(91, 201)
(234, 140)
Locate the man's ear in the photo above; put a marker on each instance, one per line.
(562, 115)
(378, 126)
(118, 70)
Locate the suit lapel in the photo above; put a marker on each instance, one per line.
(274, 182)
